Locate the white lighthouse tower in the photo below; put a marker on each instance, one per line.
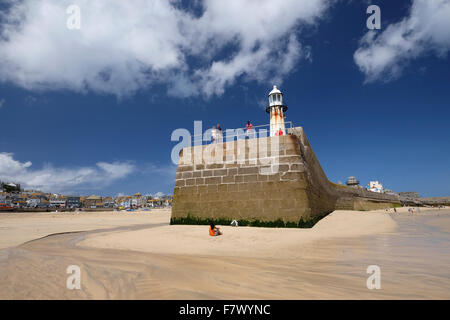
(276, 110)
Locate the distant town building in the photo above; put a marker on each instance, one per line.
(154, 203)
(108, 202)
(93, 202)
(139, 200)
(123, 202)
(58, 202)
(164, 201)
(33, 202)
(352, 181)
(10, 187)
(376, 186)
(73, 202)
(17, 200)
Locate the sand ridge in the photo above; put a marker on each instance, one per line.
(244, 241)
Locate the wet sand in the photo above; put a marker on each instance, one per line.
(156, 261)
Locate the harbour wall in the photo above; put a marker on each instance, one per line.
(266, 179)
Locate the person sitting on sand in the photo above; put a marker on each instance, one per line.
(214, 231)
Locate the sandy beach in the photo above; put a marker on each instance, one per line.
(138, 255)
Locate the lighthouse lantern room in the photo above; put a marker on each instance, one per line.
(276, 110)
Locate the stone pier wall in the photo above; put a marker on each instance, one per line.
(266, 179)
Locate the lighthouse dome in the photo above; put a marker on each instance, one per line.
(275, 97)
(275, 90)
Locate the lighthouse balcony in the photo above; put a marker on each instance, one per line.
(282, 106)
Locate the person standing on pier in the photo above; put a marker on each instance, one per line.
(250, 132)
(219, 133)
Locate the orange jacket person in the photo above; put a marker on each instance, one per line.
(214, 231)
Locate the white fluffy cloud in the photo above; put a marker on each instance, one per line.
(124, 46)
(54, 179)
(383, 55)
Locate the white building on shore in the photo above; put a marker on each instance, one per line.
(376, 186)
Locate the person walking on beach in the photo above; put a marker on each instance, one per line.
(214, 231)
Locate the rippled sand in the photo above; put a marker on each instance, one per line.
(157, 261)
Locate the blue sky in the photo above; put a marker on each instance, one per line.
(92, 110)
